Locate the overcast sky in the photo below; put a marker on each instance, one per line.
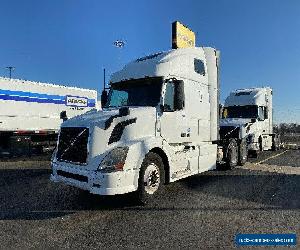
(69, 42)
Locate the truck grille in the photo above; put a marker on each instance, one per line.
(229, 132)
(72, 145)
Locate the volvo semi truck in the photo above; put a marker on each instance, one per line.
(248, 117)
(31, 114)
(160, 124)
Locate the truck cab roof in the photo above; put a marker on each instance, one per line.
(176, 62)
(248, 96)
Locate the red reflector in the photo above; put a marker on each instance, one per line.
(22, 132)
(119, 166)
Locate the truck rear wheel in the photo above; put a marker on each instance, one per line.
(232, 154)
(151, 178)
(275, 143)
(243, 153)
(260, 143)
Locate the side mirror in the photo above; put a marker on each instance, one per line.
(253, 120)
(104, 98)
(124, 111)
(178, 95)
(63, 115)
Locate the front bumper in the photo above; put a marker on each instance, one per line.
(120, 182)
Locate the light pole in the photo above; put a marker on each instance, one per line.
(119, 44)
(10, 68)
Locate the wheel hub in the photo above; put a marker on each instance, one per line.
(151, 178)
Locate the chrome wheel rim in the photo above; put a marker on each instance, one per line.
(151, 178)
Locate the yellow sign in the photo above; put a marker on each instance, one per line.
(182, 37)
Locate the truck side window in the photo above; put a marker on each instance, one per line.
(261, 113)
(266, 113)
(169, 97)
(199, 66)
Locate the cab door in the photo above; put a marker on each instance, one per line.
(173, 119)
(175, 132)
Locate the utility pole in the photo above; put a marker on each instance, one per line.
(10, 68)
(104, 78)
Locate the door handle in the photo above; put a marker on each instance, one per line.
(185, 134)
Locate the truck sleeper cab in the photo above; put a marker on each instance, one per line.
(160, 124)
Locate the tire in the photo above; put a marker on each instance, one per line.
(275, 143)
(254, 153)
(260, 144)
(243, 153)
(232, 154)
(151, 178)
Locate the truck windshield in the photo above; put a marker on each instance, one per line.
(248, 111)
(140, 92)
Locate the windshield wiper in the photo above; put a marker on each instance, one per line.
(230, 132)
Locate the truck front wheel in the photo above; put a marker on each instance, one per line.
(232, 154)
(243, 153)
(151, 178)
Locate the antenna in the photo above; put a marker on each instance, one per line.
(10, 68)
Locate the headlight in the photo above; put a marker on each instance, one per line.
(114, 161)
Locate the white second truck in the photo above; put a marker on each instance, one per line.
(160, 124)
(248, 116)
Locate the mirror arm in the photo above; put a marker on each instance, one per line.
(161, 107)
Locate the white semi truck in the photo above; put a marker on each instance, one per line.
(160, 124)
(31, 113)
(248, 116)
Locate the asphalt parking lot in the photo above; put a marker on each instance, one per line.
(279, 158)
(203, 211)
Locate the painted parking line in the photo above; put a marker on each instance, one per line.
(53, 211)
(266, 168)
(271, 157)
